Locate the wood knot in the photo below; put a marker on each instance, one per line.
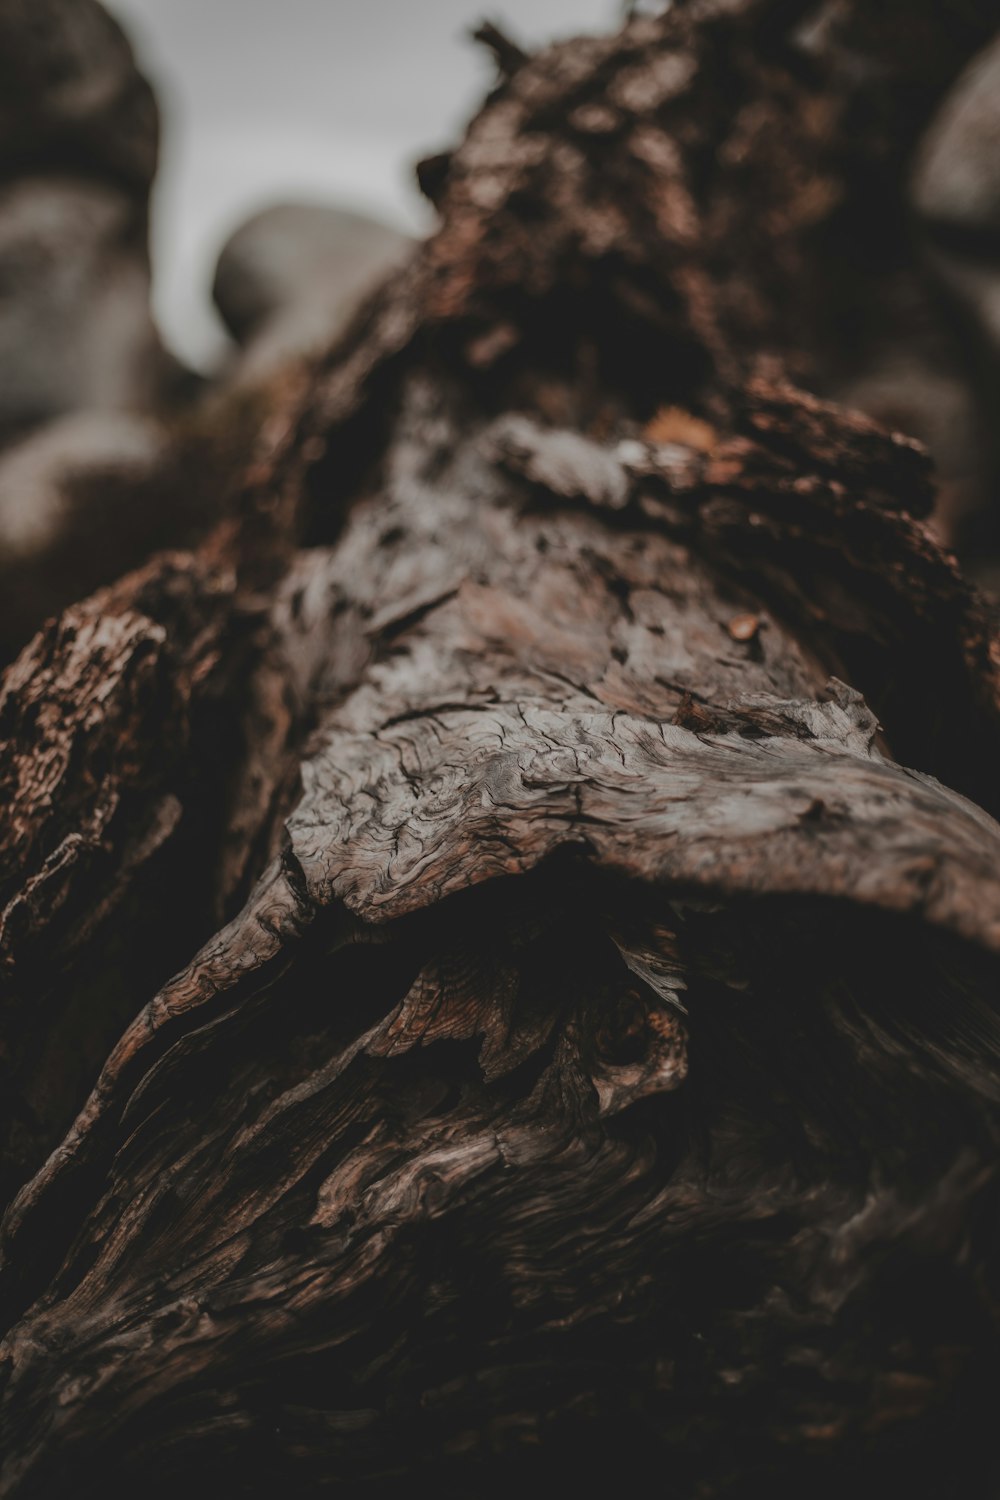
(639, 1048)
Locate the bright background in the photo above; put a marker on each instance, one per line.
(264, 100)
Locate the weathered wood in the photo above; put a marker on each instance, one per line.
(597, 1067)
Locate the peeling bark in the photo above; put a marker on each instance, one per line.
(572, 769)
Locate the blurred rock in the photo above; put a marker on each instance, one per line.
(289, 279)
(75, 498)
(975, 283)
(75, 323)
(89, 483)
(41, 474)
(957, 176)
(71, 96)
(956, 194)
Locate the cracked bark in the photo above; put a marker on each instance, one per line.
(572, 770)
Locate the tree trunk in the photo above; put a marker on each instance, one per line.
(572, 766)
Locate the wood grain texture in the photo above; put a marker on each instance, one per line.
(573, 764)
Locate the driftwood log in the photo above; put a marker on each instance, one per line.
(500, 945)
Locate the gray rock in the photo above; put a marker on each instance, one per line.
(75, 323)
(41, 475)
(956, 194)
(291, 277)
(71, 96)
(75, 501)
(975, 283)
(957, 175)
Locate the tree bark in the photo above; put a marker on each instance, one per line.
(572, 766)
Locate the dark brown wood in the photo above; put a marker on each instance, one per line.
(571, 768)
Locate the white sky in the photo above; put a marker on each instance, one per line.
(320, 99)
